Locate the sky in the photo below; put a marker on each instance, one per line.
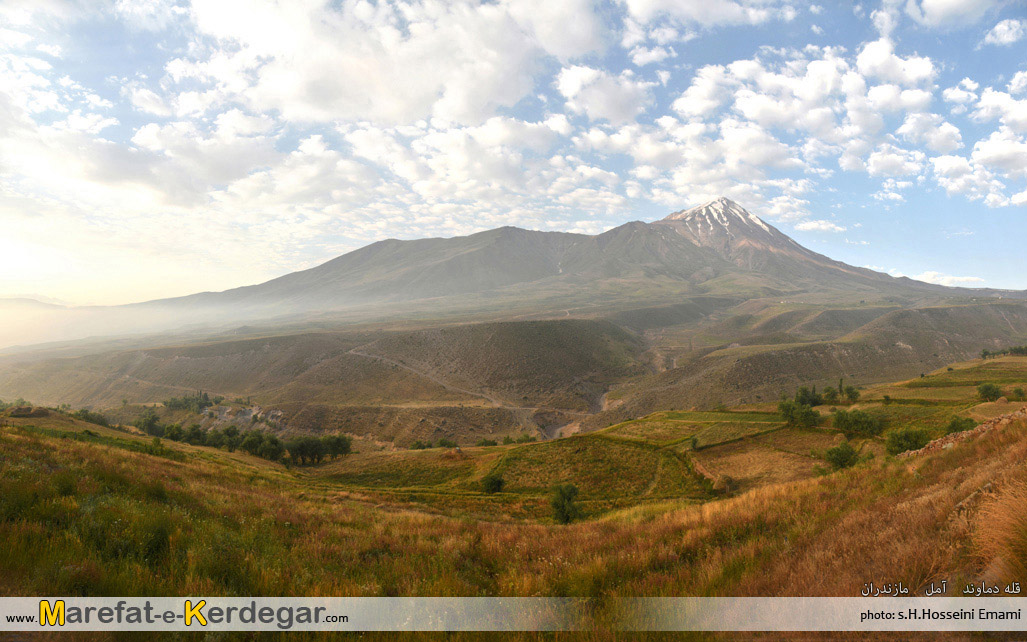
(154, 148)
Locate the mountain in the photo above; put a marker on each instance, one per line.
(717, 249)
(751, 244)
(693, 246)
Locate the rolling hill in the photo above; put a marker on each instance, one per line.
(511, 331)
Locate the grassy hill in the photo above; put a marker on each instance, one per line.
(87, 510)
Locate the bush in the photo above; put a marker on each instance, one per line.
(524, 439)
(830, 395)
(486, 442)
(1019, 394)
(797, 414)
(989, 391)
(852, 394)
(856, 423)
(565, 510)
(492, 483)
(902, 440)
(960, 424)
(841, 456)
(806, 397)
(421, 445)
(447, 443)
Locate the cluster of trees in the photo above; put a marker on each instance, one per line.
(424, 445)
(1018, 351)
(991, 392)
(194, 403)
(798, 411)
(302, 450)
(91, 417)
(17, 403)
(841, 394)
(798, 414)
(857, 423)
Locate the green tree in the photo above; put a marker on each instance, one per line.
(251, 442)
(797, 414)
(492, 483)
(447, 443)
(841, 456)
(565, 508)
(989, 391)
(149, 423)
(338, 445)
(271, 448)
(830, 395)
(960, 424)
(852, 394)
(903, 439)
(856, 423)
(486, 442)
(195, 435)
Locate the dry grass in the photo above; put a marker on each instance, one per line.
(757, 465)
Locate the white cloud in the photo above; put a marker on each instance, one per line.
(391, 64)
(889, 160)
(938, 278)
(602, 96)
(948, 13)
(957, 175)
(711, 13)
(1000, 105)
(1018, 84)
(877, 59)
(931, 130)
(1003, 151)
(894, 98)
(642, 56)
(1006, 32)
(819, 226)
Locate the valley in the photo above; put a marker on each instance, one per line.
(729, 502)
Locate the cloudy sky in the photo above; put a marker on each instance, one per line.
(151, 148)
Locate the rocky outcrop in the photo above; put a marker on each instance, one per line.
(948, 441)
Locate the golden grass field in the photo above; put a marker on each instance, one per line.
(86, 510)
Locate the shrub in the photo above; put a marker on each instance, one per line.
(851, 394)
(899, 441)
(960, 424)
(565, 510)
(1019, 394)
(507, 440)
(797, 414)
(989, 391)
(806, 397)
(857, 423)
(830, 395)
(486, 442)
(841, 456)
(447, 443)
(421, 445)
(492, 483)
(525, 439)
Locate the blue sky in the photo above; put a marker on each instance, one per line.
(153, 148)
